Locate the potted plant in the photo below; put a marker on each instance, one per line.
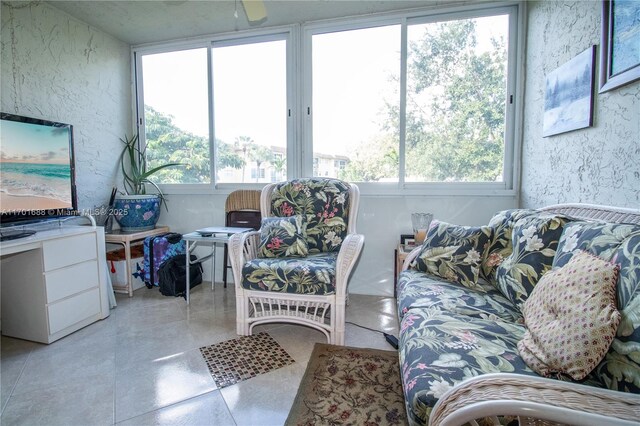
(137, 210)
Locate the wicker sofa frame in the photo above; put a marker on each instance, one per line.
(538, 400)
(325, 313)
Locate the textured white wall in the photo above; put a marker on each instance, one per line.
(600, 164)
(380, 219)
(58, 68)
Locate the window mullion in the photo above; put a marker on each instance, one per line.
(403, 103)
(305, 154)
(295, 83)
(140, 124)
(213, 149)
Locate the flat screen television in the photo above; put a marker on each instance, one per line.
(37, 169)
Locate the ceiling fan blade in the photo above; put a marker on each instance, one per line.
(255, 10)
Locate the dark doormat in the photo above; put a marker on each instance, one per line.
(235, 360)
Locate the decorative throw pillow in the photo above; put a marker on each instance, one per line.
(325, 204)
(571, 318)
(534, 241)
(601, 239)
(453, 252)
(500, 243)
(283, 237)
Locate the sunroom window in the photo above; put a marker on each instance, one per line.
(175, 111)
(407, 102)
(456, 100)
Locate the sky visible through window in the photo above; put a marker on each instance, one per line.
(355, 78)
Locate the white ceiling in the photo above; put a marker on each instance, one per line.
(137, 22)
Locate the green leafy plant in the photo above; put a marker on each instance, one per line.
(133, 163)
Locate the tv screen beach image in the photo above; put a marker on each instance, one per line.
(35, 171)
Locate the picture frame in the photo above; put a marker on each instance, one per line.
(568, 100)
(619, 55)
(407, 239)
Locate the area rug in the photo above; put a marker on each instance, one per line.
(235, 360)
(355, 386)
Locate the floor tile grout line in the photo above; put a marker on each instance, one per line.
(164, 407)
(226, 404)
(13, 388)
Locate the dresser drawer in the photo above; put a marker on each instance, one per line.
(73, 279)
(68, 251)
(69, 311)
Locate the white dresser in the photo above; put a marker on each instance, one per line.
(53, 283)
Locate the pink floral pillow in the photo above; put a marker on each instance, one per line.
(571, 318)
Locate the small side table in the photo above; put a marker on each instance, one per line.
(125, 239)
(193, 239)
(401, 253)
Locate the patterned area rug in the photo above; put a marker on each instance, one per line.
(353, 386)
(235, 360)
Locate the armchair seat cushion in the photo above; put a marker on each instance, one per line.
(314, 274)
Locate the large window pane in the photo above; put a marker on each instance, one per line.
(356, 104)
(456, 99)
(250, 112)
(176, 111)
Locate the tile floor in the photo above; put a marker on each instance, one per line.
(142, 366)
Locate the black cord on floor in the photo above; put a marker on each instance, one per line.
(391, 339)
(366, 328)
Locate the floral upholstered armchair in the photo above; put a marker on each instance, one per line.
(296, 268)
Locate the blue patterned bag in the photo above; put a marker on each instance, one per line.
(157, 249)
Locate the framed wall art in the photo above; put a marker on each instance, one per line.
(620, 45)
(568, 97)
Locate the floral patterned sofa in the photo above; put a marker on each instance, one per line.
(460, 304)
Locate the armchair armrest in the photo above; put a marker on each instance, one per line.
(242, 248)
(534, 397)
(347, 258)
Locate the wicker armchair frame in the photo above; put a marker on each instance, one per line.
(537, 400)
(325, 313)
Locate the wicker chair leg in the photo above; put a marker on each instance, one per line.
(242, 325)
(338, 318)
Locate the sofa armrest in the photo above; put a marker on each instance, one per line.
(533, 397)
(411, 257)
(347, 258)
(243, 247)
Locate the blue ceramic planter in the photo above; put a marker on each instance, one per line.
(137, 212)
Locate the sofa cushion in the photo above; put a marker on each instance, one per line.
(439, 350)
(314, 274)
(325, 202)
(600, 239)
(620, 368)
(500, 246)
(453, 252)
(534, 241)
(283, 237)
(571, 318)
(419, 290)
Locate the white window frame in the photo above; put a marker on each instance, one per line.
(287, 33)
(512, 133)
(299, 96)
